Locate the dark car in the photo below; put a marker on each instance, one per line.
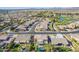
(59, 44)
(30, 24)
(49, 39)
(27, 29)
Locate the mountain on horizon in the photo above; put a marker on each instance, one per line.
(7, 9)
(27, 8)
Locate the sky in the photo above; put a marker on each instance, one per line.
(39, 3)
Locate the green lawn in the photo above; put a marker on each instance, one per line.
(1, 50)
(66, 20)
(50, 26)
(62, 49)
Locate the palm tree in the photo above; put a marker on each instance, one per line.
(32, 47)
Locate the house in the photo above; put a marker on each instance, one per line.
(21, 39)
(42, 26)
(75, 36)
(62, 27)
(59, 39)
(40, 38)
(21, 28)
(5, 39)
(71, 26)
(56, 41)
